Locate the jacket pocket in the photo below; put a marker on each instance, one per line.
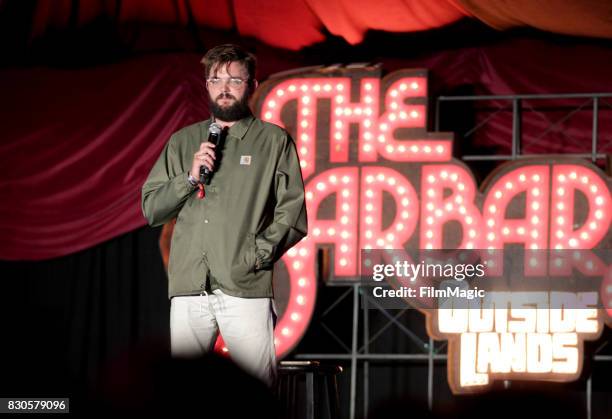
(245, 263)
(251, 252)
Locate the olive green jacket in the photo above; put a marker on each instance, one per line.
(253, 211)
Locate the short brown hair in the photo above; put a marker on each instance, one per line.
(227, 54)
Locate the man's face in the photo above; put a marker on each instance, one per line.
(229, 91)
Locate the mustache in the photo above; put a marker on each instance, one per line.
(226, 96)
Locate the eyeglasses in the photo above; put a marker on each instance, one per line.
(234, 82)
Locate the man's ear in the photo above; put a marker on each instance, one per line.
(255, 84)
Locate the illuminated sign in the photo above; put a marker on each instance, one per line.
(345, 125)
(375, 178)
(526, 339)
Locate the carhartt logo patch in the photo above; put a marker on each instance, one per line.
(245, 160)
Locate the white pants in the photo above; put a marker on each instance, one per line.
(246, 324)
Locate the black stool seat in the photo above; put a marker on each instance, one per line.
(320, 389)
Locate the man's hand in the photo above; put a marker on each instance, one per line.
(205, 156)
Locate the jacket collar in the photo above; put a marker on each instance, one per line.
(239, 129)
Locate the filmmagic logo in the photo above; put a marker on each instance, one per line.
(429, 292)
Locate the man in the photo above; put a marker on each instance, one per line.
(225, 242)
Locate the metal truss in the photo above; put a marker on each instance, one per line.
(359, 352)
(360, 356)
(517, 104)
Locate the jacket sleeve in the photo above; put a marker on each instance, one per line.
(166, 189)
(290, 223)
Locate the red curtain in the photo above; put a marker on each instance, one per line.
(293, 24)
(287, 24)
(351, 19)
(576, 17)
(290, 24)
(77, 145)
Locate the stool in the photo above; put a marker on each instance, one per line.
(315, 374)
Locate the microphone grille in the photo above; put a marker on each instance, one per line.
(214, 128)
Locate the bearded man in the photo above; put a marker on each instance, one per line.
(233, 224)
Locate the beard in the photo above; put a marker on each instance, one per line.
(234, 112)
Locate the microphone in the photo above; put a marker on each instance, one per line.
(214, 132)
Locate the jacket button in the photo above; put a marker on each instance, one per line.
(206, 221)
(203, 254)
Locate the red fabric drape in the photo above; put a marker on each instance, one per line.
(351, 19)
(293, 24)
(289, 24)
(78, 144)
(577, 17)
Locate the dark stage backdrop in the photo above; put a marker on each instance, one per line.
(67, 319)
(72, 323)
